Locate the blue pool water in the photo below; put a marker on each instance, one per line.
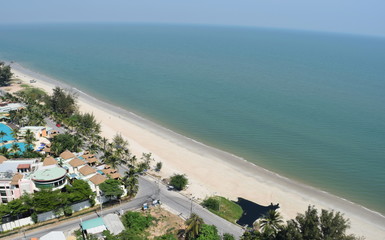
(21, 145)
(8, 131)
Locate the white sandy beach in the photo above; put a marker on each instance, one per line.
(211, 171)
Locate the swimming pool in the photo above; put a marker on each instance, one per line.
(8, 132)
(21, 145)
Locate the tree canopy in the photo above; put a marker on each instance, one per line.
(65, 141)
(308, 226)
(5, 74)
(79, 190)
(178, 181)
(111, 188)
(62, 103)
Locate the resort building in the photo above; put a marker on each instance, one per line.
(48, 161)
(86, 172)
(75, 164)
(14, 180)
(95, 181)
(67, 156)
(37, 131)
(7, 107)
(49, 177)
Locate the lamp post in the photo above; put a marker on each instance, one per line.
(191, 207)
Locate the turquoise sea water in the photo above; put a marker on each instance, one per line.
(309, 106)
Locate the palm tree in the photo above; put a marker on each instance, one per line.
(194, 224)
(104, 142)
(130, 182)
(29, 138)
(2, 135)
(271, 222)
(15, 148)
(15, 133)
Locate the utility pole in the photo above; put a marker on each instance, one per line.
(101, 205)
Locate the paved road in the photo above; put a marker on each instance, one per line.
(52, 124)
(149, 189)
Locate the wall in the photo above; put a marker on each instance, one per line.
(41, 217)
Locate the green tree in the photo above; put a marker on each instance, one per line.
(179, 181)
(5, 74)
(2, 135)
(147, 159)
(111, 188)
(47, 200)
(271, 222)
(131, 183)
(211, 203)
(65, 141)
(62, 103)
(136, 225)
(228, 236)
(167, 236)
(78, 191)
(29, 137)
(158, 166)
(15, 133)
(194, 224)
(208, 232)
(15, 148)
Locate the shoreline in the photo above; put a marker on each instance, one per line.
(208, 168)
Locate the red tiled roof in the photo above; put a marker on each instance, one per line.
(23, 166)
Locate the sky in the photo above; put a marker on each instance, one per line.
(365, 17)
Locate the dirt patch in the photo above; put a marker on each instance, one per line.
(166, 222)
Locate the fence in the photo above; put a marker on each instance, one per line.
(41, 217)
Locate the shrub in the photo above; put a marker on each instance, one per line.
(67, 210)
(211, 203)
(34, 217)
(179, 181)
(228, 236)
(158, 166)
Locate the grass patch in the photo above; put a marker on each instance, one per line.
(227, 209)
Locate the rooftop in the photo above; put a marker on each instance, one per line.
(86, 170)
(16, 178)
(23, 166)
(49, 161)
(2, 159)
(113, 223)
(92, 223)
(76, 162)
(48, 173)
(67, 155)
(98, 179)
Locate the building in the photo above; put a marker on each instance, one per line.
(7, 107)
(57, 235)
(67, 156)
(95, 181)
(37, 131)
(93, 226)
(49, 177)
(13, 185)
(14, 180)
(48, 161)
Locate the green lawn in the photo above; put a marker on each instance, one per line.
(227, 209)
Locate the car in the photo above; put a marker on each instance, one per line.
(58, 125)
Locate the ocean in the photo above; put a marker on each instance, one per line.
(307, 105)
